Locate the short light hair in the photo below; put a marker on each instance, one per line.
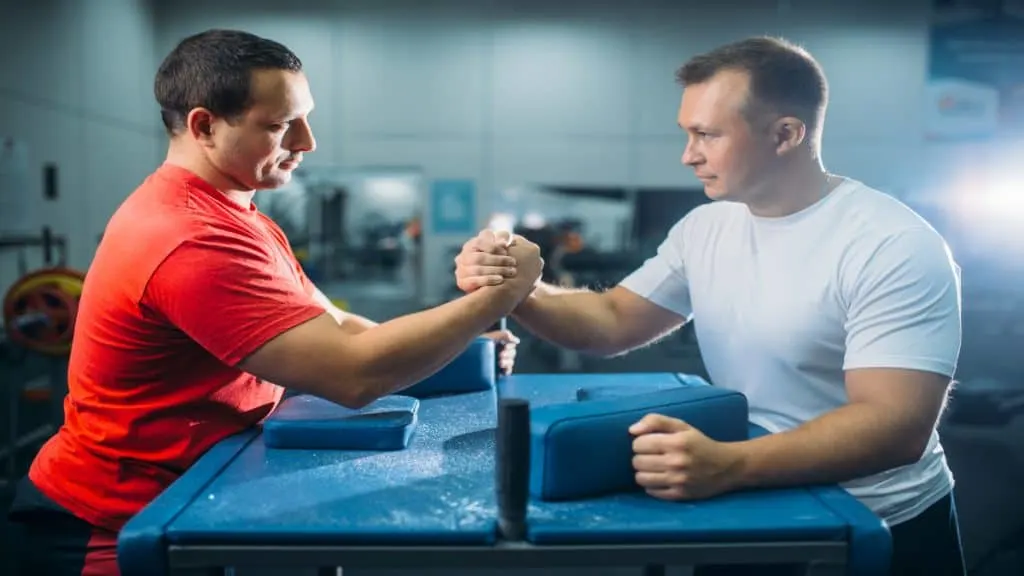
(784, 78)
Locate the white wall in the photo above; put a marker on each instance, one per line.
(504, 93)
(75, 87)
(579, 93)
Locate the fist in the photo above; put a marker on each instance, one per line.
(528, 266)
(675, 461)
(484, 261)
(507, 342)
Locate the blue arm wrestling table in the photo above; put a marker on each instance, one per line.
(433, 504)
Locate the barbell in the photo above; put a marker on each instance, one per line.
(40, 310)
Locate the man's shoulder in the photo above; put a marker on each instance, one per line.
(882, 235)
(159, 217)
(869, 214)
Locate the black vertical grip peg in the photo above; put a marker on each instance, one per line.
(513, 466)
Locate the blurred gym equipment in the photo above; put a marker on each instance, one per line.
(39, 312)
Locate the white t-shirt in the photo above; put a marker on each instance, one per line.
(783, 306)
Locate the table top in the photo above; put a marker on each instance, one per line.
(440, 490)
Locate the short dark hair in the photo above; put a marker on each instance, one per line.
(784, 77)
(213, 70)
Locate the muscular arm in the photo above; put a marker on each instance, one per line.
(647, 305)
(599, 323)
(322, 358)
(902, 346)
(887, 424)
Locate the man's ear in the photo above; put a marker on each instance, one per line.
(200, 124)
(789, 134)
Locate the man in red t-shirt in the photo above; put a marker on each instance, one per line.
(195, 313)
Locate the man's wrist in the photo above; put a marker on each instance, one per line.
(537, 291)
(505, 297)
(741, 461)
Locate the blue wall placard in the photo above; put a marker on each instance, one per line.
(453, 207)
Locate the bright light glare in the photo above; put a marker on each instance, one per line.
(533, 220)
(391, 190)
(1003, 201)
(502, 222)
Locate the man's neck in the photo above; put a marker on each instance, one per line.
(791, 190)
(202, 168)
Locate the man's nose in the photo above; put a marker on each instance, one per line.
(302, 137)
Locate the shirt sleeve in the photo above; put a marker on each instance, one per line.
(903, 307)
(662, 277)
(230, 294)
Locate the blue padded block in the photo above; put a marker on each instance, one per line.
(141, 543)
(474, 370)
(306, 422)
(564, 464)
(613, 391)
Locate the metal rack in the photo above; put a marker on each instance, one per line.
(54, 249)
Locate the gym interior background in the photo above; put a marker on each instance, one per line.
(435, 119)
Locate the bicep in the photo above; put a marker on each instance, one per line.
(638, 320)
(912, 400)
(899, 390)
(306, 357)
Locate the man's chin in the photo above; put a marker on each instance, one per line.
(275, 180)
(714, 192)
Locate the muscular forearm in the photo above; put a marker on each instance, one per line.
(577, 319)
(398, 353)
(851, 442)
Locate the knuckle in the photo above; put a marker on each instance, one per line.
(677, 461)
(677, 441)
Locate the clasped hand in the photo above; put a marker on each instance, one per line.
(488, 260)
(492, 258)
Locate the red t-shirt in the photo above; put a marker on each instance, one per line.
(184, 285)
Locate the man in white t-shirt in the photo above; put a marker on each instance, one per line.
(833, 307)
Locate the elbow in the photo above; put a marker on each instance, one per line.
(342, 391)
(352, 393)
(911, 448)
(355, 384)
(371, 373)
(360, 391)
(356, 401)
